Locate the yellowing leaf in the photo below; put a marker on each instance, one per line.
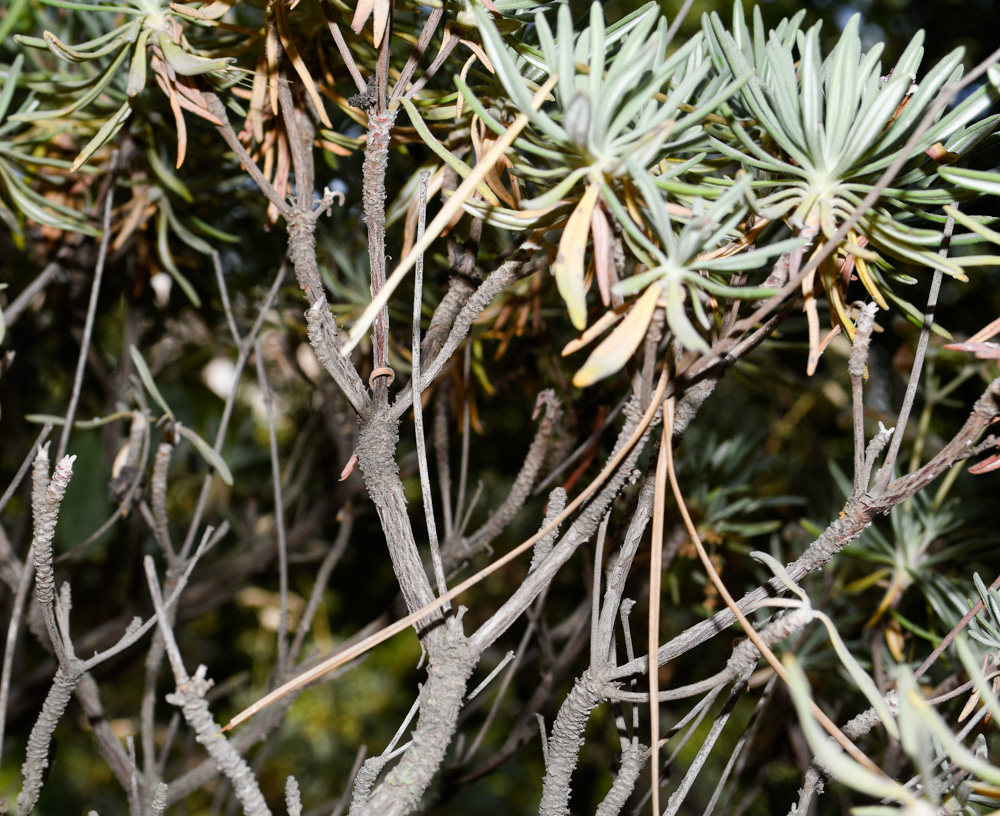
(603, 323)
(568, 266)
(621, 344)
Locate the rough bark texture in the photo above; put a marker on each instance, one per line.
(633, 760)
(37, 755)
(190, 698)
(376, 457)
(373, 175)
(451, 663)
(565, 743)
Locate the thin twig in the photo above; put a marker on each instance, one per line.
(441, 457)
(857, 369)
(322, 578)
(279, 510)
(345, 52)
(885, 472)
(218, 110)
(418, 410)
(88, 325)
(25, 465)
(10, 646)
(21, 302)
(672, 31)
(447, 46)
(463, 466)
(430, 26)
(227, 307)
(581, 449)
(227, 411)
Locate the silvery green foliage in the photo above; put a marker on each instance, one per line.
(811, 134)
(816, 133)
(628, 114)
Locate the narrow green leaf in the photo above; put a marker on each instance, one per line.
(10, 84)
(843, 89)
(843, 767)
(860, 676)
(169, 179)
(147, 381)
(780, 572)
(36, 207)
(107, 132)
(982, 181)
(195, 242)
(598, 44)
(81, 101)
(207, 452)
(510, 77)
(564, 55)
(167, 259)
(45, 419)
(811, 83)
(214, 232)
(680, 324)
(444, 154)
(188, 64)
(90, 7)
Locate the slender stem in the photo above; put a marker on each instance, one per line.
(885, 472)
(447, 47)
(463, 466)
(345, 52)
(218, 110)
(857, 369)
(241, 359)
(20, 303)
(88, 326)
(13, 629)
(227, 307)
(418, 410)
(441, 456)
(279, 510)
(430, 26)
(25, 465)
(672, 31)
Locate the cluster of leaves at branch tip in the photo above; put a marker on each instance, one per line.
(648, 139)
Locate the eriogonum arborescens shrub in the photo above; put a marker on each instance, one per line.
(297, 295)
